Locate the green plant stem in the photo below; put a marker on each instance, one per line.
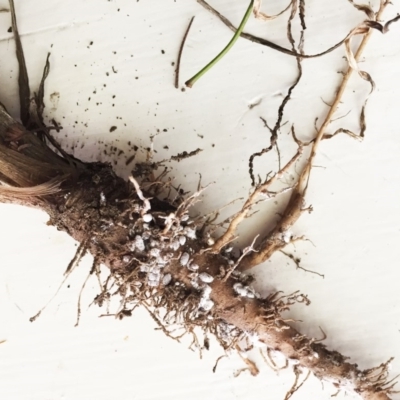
(235, 37)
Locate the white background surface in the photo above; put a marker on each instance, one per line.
(355, 191)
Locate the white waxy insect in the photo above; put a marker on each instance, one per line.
(206, 278)
(126, 259)
(102, 199)
(161, 260)
(240, 289)
(195, 284)
(238, 286)
(153, 283)
(190, 233)
(155, 253)
(192, 267)
(131, 246)
(182, 240)
(184, 217)
(139, 243)
(166, 279)
(287, 236)
(184, 259)
(144, 268)
(153, 276)
(175, 245)
(210, 241)
(147, 218)
(206, 291)
(250, 294)
(206, 304)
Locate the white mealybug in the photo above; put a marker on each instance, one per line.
(240, 289)
(139, 243)
(206, 291)
(102, 199)
(184, 217)
(144, 268)
(195, 284)
(182, 240)
(147, 218)
(207, 278)
(166, 279)
(184, 259)
(153, 276)
(131, 246)
(155, 252)
(161, 263)
(192, 267)
(126, 259)
(287, 236)
(175, 245)
(190, 233)
(210, 241)
(250, 294)
(206, 304)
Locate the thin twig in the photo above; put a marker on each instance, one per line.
(178, 62)
(265, 42)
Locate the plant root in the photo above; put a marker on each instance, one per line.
(158, 260)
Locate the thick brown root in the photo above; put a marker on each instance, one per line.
(158, 259)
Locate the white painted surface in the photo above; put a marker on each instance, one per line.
(355, 191)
